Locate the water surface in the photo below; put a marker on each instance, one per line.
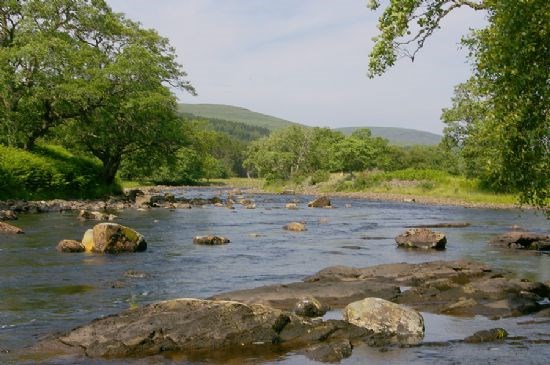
(43, 291)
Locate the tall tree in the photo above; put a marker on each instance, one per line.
(511, 59)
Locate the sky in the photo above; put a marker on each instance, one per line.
(306, 60)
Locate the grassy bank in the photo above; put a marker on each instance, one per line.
(428, 186)
(50, 172)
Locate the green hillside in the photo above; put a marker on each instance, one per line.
(399, 136)
(234, 114)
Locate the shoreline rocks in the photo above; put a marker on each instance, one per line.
(7, 215)
(423, 238)
(320, 202)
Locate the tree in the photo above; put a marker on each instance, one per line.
(511, 59)
(100, 78)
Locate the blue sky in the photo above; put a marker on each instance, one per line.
(306, 60)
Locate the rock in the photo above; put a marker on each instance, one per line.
(442, 225)
(149, 200)
(288, 192)
(522, 240)
(116, 238)
(94, 215)
(250, 206)
(200, 327)
(310, 307)
(9, 228)
(88, 240)
(210, 240)
(320, 202)
(334, 351)
(132, 194)
(322, 220)
(70, 246)
(136, 274)
(387, 318)
(330, 292)
(422, 238)
(292, 206)
(295, 227)
(492, 335)
(170, 198)
(7, 215)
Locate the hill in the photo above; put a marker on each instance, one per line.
(234, 114)
(399, 136)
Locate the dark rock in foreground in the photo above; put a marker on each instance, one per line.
(522, 240)
(422, 238)
(191, 325)
(9, 228)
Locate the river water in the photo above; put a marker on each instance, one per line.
(44, 291)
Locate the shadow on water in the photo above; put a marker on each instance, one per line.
(43, 291)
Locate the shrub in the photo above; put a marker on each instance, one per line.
(50, 172)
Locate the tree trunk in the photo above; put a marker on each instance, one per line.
(110, 168)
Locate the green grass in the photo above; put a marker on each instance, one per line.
(50, 172)
(235, 114)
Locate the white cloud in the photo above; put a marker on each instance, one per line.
(306, 60)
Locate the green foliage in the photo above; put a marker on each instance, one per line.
(235, 114)
(50, 172)
(500, 119)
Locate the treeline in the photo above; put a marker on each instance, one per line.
(237, 130)
(298, 152)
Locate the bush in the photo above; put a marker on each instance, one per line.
(50, 172)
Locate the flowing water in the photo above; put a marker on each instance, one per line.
(44, 291)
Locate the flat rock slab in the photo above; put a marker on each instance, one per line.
(522, 240)
(193, 325)
(335, 294)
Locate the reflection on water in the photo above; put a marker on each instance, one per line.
(42, 290)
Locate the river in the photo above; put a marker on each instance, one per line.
(43, 291)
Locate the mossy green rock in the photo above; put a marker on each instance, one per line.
(116, 238)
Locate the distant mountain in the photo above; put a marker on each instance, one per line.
(399, 136)
(234, 114)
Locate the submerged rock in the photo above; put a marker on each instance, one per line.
(70, 246)
(320, 202)
(422, 238)
(522, 240)
(210, 240)
(295, 227)
(95, 215)
(113, 238)
(387, 318)
(9, 228)
(291, 206)
(492, 335)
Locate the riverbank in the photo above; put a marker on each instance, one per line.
(398, 194)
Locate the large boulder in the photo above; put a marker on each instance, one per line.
(115, 238)
(9, 228)
(387, 318)
(295, 227)
(422, 238)
(320, 202)
(70, 246)
(88, 240)
(522, 240)
(210, 240)
(200, 327)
